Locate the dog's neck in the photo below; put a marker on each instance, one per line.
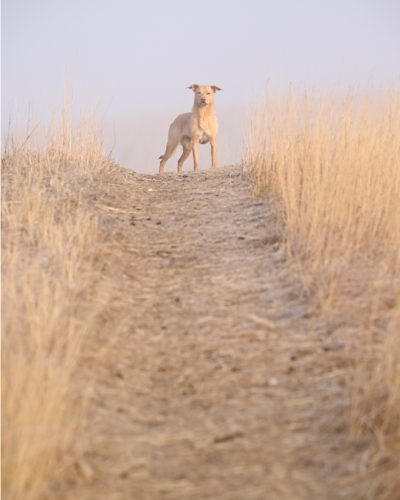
(203, 113)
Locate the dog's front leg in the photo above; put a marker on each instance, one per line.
(196, 155)
(214, 149)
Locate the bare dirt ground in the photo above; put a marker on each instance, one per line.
(207, 383)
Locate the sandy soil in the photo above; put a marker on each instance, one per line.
(207, 382)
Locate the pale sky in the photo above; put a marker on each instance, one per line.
(132, 60)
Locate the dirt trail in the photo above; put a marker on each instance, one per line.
(206, 389)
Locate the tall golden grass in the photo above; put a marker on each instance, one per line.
(50, 244)
(332, 162)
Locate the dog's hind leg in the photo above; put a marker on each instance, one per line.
(185, 153)
(172, 144)
(169, 151)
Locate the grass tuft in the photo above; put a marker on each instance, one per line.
(50, 270)
(332, 163)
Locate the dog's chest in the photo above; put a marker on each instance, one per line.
(205, 123)
(204, 136)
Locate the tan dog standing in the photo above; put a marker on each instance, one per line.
(190, 129)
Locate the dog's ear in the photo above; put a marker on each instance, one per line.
(215, 88)
(194, 87)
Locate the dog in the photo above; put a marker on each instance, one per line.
(191, 129)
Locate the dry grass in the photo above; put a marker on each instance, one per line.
(50, 270)
(332, 163)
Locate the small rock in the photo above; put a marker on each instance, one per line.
(272, 381)
(85, 470)
(228, 437)
(332, 346)
(272, 240)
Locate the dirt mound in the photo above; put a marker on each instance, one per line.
(205, 383)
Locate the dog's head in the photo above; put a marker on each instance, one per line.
(204, 94)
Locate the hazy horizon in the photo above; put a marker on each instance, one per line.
(132, 62)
